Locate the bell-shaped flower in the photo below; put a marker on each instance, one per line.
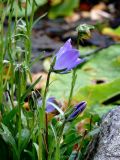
(51, 105)
(76, 111)
(67, 58)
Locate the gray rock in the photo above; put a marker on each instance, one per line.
(109, 138)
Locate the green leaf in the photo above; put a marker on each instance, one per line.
(25, 137)
(8, 137)
(9, 117)
(97, 94)
(37, 148)
(102, 109)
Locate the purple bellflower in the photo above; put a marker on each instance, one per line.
(51, 103)
(67, 58)
(76, 111)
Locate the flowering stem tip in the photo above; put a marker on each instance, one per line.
(76, 111)
(67, 58)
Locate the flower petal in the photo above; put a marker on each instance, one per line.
(77, 110)
(67, 46)
(66, 59)
(50, 104)
(75, 64)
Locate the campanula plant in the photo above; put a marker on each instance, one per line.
(66, 59)
(32, 124)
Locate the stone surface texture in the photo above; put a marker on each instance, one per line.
(109, 138)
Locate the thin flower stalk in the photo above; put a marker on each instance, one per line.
(43, 123)
(74, 77)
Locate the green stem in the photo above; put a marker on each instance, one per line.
(19, 114)
(29, 31)
(40, 145)
(9, 46)
(46, 89)
(57, 153)
(60, 133)
(72, 87)
(74, 76)
(43, 122)
(2, 18)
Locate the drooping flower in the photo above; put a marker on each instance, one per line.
(51, 105)
(67, 58)
(76, 111)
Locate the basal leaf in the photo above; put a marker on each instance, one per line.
(8, 137)
(25, 136)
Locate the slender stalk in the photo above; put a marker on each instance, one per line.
(19, 114)
(40, 146)
(29, 30)
(57, 153)
(74, 76)
(72, 87)
(1, 52)
(33, 136)
(46, 134)
(9, 46)
(44, 106)
(43, 123)
(46, 88)
(59, 135)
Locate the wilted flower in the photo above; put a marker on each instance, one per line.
(76, 111)
(67, 58)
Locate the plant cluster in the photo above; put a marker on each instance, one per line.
(45, 130)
